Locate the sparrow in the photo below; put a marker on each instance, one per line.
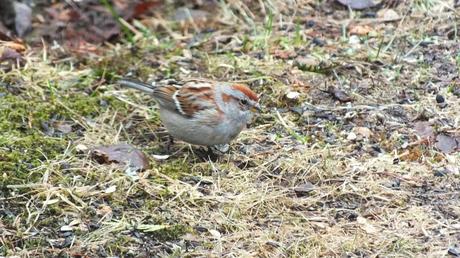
(205, 113)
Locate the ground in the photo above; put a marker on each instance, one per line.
(355, 154)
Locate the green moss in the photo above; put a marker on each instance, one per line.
(120, 245)
(83, 105)
(170, 233)
(18, 113)
(175, 169)
(20, 154)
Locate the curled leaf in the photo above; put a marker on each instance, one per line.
(339, 94)
(122, 154)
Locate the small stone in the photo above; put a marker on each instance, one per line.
(160, 157)
(369, 14)
(354, 40)
(319, 42)
(456, 92)
(352, 136)
(111, 189)
(66, 228)
(310, 23)
(67, 233)
(216, 234)
(454, 252)
(440, 173)
(440, 99)
(388, 15)
(81, 148)
(293, 95)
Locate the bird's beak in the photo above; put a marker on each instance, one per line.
(256, 108)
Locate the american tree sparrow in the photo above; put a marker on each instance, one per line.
(202, 112)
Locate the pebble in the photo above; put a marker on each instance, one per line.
(440, 99)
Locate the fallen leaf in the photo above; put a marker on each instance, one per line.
(17, 46)
(424, 129)
(104, 210)
(143, 7)
(123, 154)
(446, 143)
(358, 4)
(360, 30)
(66, 228)
(284, 54)
(339, 94)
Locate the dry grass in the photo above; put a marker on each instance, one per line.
(377, 195)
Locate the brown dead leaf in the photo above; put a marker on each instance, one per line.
(339, 94)
(59, 13)
(138, 9)
(17, 46)
(412, 154)
(284, 54)
(360, 30)
(446, 144)
(424, 129)
(122, 154)
(104, 211)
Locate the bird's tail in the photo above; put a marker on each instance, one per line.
(138, 85)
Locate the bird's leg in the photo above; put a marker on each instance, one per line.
(170, 143)
(206, 154)
(211, 155)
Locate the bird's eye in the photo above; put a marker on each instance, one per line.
(243, 102)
